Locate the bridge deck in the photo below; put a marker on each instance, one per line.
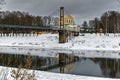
(34, 27)
(26, 27)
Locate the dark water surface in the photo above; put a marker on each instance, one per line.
(104, 64)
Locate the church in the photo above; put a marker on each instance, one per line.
(68, 20)
(70, 24)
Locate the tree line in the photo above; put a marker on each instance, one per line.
(109, 22)
(24, 19)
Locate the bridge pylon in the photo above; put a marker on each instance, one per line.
(62, 32)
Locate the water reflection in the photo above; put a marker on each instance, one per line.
(101, 67)
(110, 67)
(66, 59)
(13, 60)
(91, 63)
(38, 63)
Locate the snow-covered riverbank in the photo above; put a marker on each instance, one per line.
(50, 41)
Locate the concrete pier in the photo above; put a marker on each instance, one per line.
(62, 36)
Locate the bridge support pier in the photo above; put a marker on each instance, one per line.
(62, 36)
(61, 62)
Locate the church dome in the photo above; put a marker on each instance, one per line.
(68, 20)
(68, 17)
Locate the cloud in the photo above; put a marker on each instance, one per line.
(80, 9)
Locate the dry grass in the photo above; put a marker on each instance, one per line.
(24, 74)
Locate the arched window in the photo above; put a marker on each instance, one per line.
(69, 21)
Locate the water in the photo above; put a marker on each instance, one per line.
(90, 63)
(100, 67)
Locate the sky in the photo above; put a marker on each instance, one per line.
(81, 10)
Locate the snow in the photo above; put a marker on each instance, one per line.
(41, 75)
(80, 46)
(55, 52)
(50, 41)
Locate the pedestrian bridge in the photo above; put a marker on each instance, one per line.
(8, 27)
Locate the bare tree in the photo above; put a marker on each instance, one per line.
(85, 26)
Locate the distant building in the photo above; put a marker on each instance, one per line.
(69, 24)
(68, 20)
(55, 21)
(72, 28)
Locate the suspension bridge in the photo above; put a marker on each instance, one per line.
(6, 29)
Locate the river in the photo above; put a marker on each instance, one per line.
(78, 62)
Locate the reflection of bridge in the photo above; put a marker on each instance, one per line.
(64, 60)
(38, 63)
